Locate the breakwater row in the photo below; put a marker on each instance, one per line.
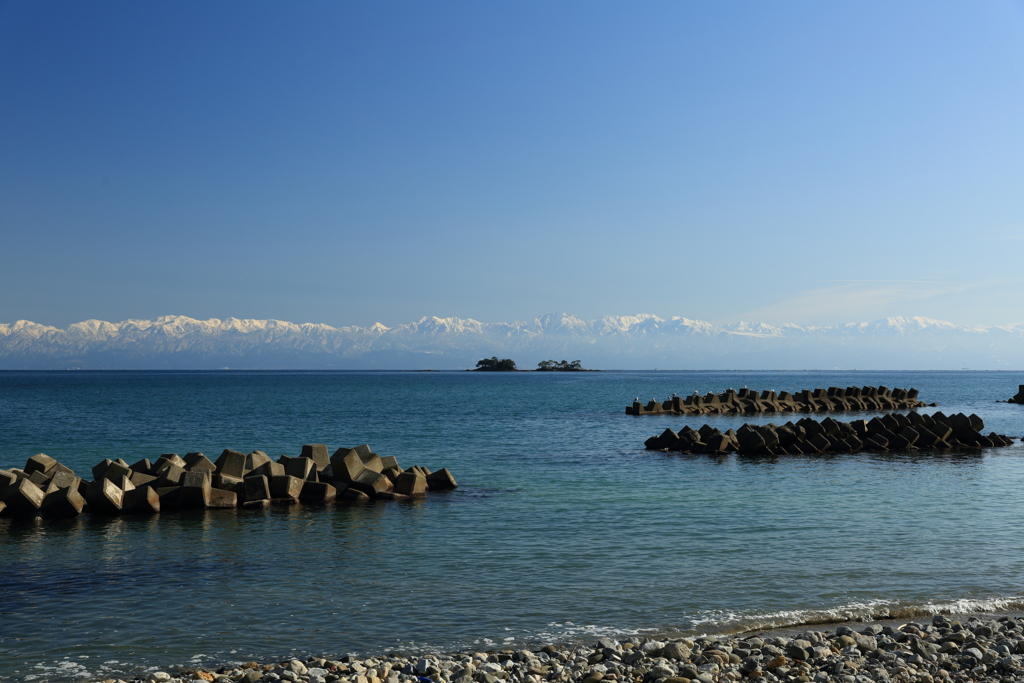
(48, 488)
(744, 401)
(893, 431)
(943, 650)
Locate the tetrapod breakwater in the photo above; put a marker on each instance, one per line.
(749, 401)
(46, 487)
(890, 432)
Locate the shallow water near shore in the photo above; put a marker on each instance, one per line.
(563, 528)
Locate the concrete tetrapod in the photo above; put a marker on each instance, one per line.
(318, 492)
(195, 489)
(63, 502)
(104, 497)
(411, 483)
(39, 462)
(23, 498)
(1018, 398)
(231, 463)
(286, 487)
(221, 499)
(317, 452)
(142, 500)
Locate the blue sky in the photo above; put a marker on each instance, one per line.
(349, 163)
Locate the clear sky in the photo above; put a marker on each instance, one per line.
(354, 162)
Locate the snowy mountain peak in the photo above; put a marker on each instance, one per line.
(755, 329)
(642, 340)
(899, 324)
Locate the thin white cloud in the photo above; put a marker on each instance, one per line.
(1007, 233)
(853, 300)
(915, 282)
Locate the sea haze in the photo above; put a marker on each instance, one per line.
(563, 528)
(611, 342)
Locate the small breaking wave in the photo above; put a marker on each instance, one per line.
(872, 610)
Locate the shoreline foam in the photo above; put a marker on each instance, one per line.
(976, 647)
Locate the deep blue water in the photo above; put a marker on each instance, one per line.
(562, 527)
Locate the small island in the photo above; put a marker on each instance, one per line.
(560, 366)
(494, 364)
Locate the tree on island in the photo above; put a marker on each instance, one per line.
(494, 364)
(559, 366)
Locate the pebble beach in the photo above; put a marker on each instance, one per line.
(944, 649)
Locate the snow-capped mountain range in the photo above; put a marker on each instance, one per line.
(620, 342)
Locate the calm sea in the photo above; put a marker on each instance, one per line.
(563, 528)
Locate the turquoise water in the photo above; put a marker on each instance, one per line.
(563, 527)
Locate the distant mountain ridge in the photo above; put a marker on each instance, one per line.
(621, 342)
